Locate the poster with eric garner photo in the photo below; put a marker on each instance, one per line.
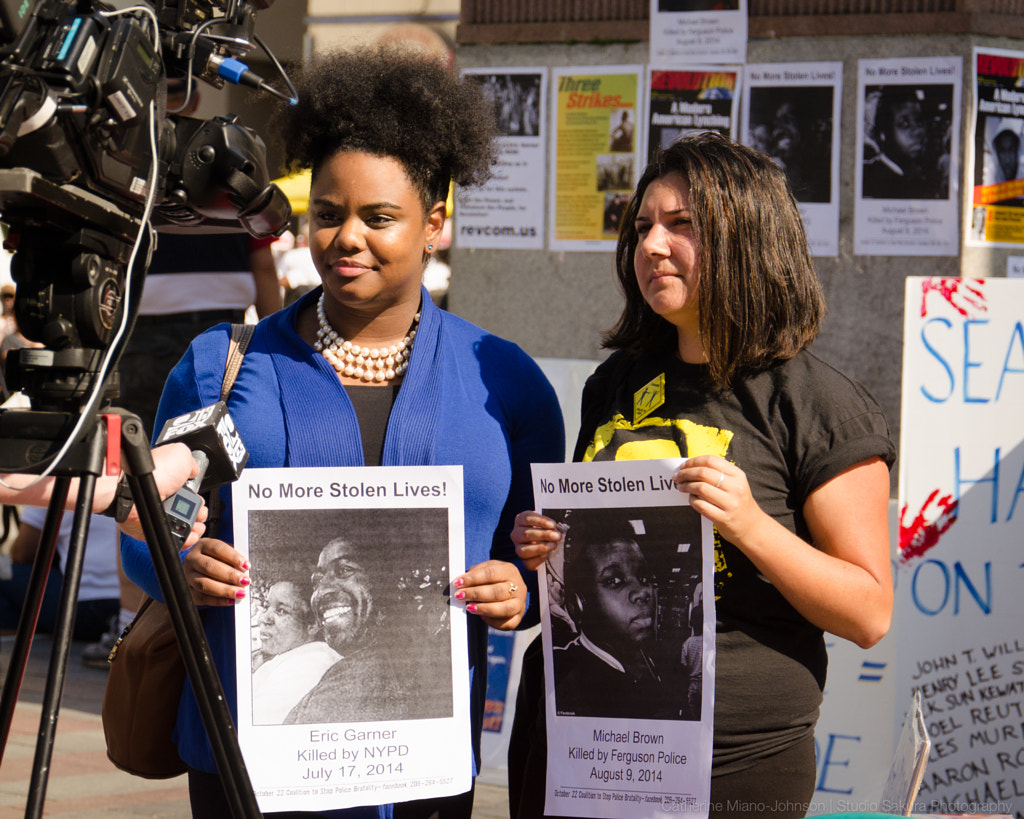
(508, 210)
(696, 99)
(350, 655)
(908, 111)
(791, 112)
(629, 642)
(694, 31)
(961, 526)
(996, 216)
(598, 142)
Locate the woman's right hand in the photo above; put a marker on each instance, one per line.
(216, 573)
(535, 537)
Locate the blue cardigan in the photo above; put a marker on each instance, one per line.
(468, 398)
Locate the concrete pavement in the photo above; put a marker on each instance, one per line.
(82, 782)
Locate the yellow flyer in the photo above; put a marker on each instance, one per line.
(597, 117)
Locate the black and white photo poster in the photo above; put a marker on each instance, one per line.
(629, 642)
(351, 658)
(507, 211)
(908, 148)
(792, 114)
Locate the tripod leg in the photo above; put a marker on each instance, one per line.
(61, 650)
(187, 626)
(30, 611)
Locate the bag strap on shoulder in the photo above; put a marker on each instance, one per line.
(241, 335)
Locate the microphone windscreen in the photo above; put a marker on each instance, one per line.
(211, 430)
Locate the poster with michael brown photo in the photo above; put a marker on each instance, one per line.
(350, 654)
(908, 136)
(629, 642)
(683, 32)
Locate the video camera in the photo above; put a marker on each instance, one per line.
(91, 159)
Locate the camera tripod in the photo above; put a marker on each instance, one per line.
(116, 430)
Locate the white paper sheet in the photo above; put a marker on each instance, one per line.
(378, 546)
(626, 587)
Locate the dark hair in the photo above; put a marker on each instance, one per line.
(891, 97)
(588, 529)
(1004, 135)
(391, 101)
(759, 297)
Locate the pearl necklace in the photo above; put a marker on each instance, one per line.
(369, 364)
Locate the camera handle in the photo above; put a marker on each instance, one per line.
(87, 461)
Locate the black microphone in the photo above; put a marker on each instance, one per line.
(211, 435)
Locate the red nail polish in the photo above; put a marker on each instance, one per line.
(459, 581)
(245, 581)
(240, 594)
(471, 607)
(459, 595)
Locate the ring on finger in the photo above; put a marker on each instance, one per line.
(512, 587)
(721, 478)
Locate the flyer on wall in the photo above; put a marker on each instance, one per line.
(997, 206)
(350, 656)
(791, 112)
(694, 31)
(961, 526)
(597, 117)
(702, 98)
(907, 196)
(507, 212)
(629, 642)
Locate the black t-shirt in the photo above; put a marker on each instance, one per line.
(790, 428)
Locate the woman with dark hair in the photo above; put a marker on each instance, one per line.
(787, 457)
(366, 370)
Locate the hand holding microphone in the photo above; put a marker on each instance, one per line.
(217, 448)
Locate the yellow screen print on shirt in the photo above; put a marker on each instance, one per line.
(657, 441)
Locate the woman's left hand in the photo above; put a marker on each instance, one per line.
(495, 590)
(719, 491)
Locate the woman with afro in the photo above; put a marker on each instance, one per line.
(366, 370)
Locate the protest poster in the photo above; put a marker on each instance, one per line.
(597, 117)
(702, 98)
(997, 206)
(907, 201)
(958, 600)
(350, 656)
(791, 112)
(695, 31)
(629, 639)
(507, 211)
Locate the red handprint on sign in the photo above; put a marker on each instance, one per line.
(963, 295)
(921, 535)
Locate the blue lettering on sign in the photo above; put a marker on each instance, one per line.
(960, 482)
(926, 584)
(933, 333)
(945, 365)
(1016, 338)
(994, 480)
(829, 759)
